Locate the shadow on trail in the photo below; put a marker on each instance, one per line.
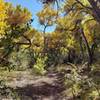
(38, 92)
(48, 87)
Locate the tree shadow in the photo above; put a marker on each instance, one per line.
(38, 92)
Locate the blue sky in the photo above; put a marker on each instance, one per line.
(33, 6)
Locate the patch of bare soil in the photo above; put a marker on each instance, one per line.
(30, 87)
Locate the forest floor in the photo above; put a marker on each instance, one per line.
(33, 87)
(28, 86)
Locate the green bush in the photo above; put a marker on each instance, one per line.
(39, 67)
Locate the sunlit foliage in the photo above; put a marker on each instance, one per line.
(47, 15)
(3, 17)
(18, 15)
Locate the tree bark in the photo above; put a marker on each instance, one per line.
(95, 4)
(88, 48)
(81, 47)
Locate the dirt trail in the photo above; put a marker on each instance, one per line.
(26, 78)
(30, 87)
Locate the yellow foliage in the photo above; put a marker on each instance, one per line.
(73, 4)
(3, 17)
(85, 2)
(70, 42)
(68, 22)
(18, 15)
(60, 41)
(31, 33)
(47, 15)
(88, 27)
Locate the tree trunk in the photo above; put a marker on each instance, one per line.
(81, 47)
(44, 49)
(96, 9)
(87, 46)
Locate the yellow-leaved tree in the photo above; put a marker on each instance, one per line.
(18, 15)
(3, 17)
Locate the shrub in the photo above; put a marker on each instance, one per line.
(39, 67)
